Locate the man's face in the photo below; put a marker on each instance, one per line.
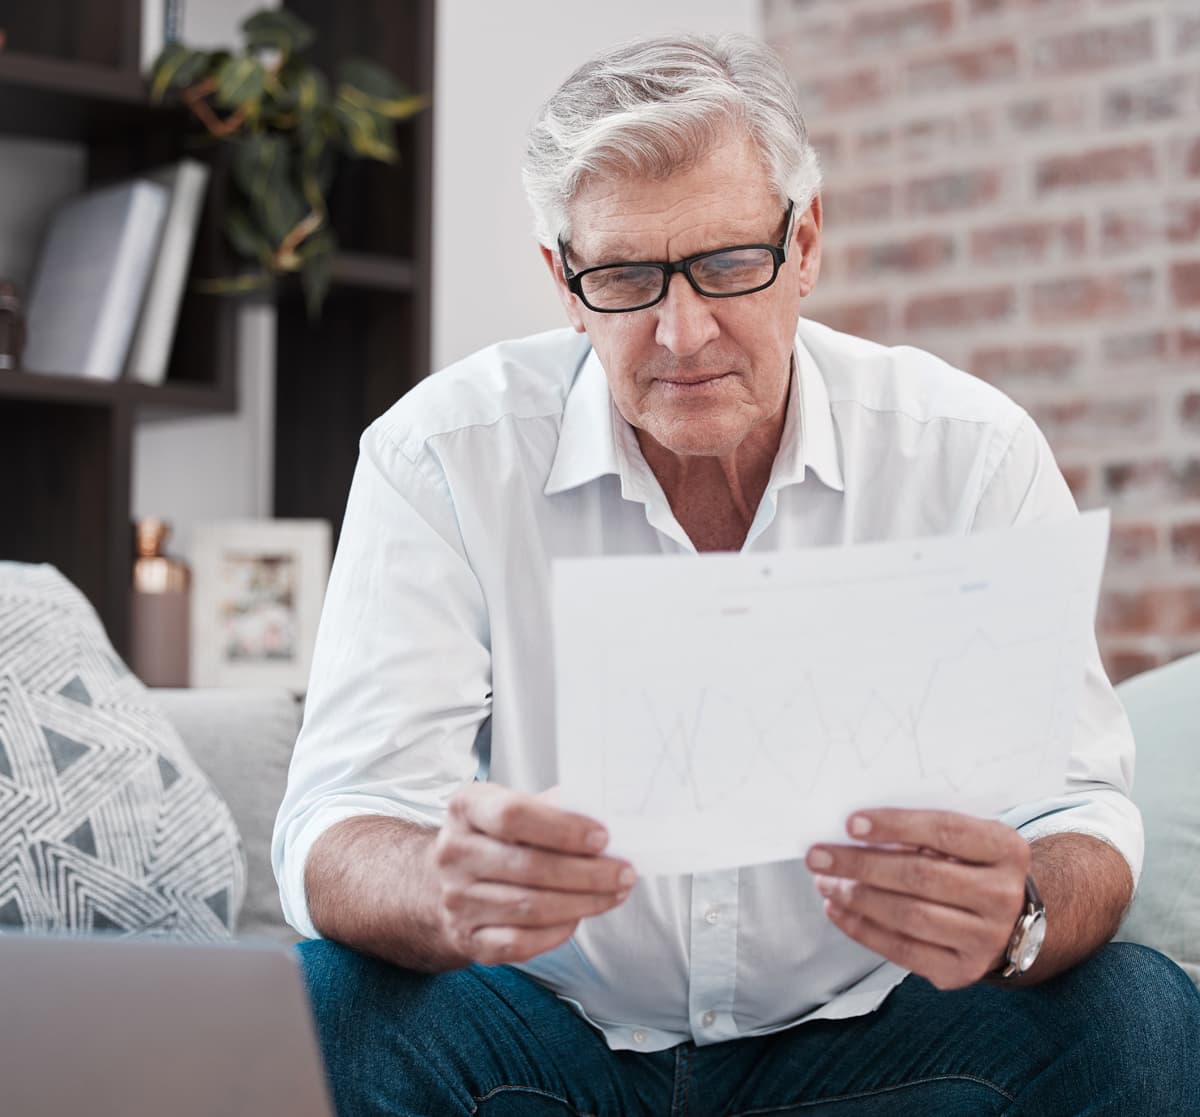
(697, 375)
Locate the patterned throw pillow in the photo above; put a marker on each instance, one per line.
(106, 823)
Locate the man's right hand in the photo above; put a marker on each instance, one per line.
(518, 873)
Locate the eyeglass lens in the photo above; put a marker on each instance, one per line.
(723, 273)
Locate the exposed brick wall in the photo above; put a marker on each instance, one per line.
(1015, 185)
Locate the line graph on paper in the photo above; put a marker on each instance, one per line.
(761, 702)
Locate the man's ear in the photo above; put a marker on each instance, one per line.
(806, 245)
(570, 303)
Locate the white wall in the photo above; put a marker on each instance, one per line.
(495, 64)
(214, 467)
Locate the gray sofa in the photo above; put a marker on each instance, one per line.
(243, 741)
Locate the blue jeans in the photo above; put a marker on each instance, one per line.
(1116, 1035)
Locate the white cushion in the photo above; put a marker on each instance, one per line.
(106, 822)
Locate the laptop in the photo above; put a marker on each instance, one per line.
(100, 1027)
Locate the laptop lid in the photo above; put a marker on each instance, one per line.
(102, 1027)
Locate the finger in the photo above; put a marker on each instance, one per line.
(486, 903)
(939, 924)
(498, 945)
(943, 967)
(515, 816)
(904, 871)
(980, 840)
(470, 855)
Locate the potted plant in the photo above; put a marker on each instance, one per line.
(288, 126)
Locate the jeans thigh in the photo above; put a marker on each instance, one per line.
(1116, 1036)
(485, 1040)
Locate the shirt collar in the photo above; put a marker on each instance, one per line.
(591, 427)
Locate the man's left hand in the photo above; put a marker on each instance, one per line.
(936, 892)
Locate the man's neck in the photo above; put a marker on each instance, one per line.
(715, 498)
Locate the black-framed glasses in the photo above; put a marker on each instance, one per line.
(723, 273)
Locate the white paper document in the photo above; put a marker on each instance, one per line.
(727, 709)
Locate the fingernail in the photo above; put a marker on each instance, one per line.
(820, 859)
(597, 839)
(860, 825)
(825, 885)
(627, 879)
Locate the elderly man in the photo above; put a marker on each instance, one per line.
(478, 952)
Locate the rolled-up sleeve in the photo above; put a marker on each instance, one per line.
(1026, 487)
(400, 681)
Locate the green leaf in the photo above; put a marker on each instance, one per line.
(262, 169)
(178, 66)
(316, 272)
(363, 131)
(370, 86)
(245, 236)
(239, 80)
(276, 28)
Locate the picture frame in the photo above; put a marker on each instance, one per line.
(257, 591)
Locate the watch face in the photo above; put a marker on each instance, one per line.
(1031, 942)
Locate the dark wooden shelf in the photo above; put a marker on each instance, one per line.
(48, 98)
(83, 391)
(374, 272)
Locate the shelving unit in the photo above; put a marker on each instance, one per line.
(70, 73)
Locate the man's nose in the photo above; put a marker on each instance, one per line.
(685, 319)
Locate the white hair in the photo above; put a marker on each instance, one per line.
(655, 106)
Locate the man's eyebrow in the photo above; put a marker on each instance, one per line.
(615, 252)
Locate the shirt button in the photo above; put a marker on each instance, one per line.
(708, 1018)
(639, 1036)
(712, 915)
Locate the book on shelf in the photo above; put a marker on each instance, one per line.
(150, 350)
(91, 277)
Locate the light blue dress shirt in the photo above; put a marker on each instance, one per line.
(434, 653)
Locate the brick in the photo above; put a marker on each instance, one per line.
(1144, 347)
(1000, 363)
(1187, 343)
(863, 319)
(1100, 167)
(963, 309)
(1049, 114)
(956, 190)
(841, 92)
(1079, 481)
(1134, 544)
(1121, 664)
(1155, 481)
(911, 256)
(858, 204)
(1185, 283)
(1190, 157)
(1189, 412)
(1156, 98)
(1163, 611)
(991, 9)
(1131, 229)
(947, 135)
(1185, 542)
(828, 145)
(1083, 297)
(963, 69)
(799, 41)
(1020, 242)
(1185, 34)
(1183, 221)
(1097, 420)
(1094, 48)
(875, 145)
(901, 25)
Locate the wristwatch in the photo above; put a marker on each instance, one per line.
(1029, 933)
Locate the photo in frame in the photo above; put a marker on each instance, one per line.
(257, 589)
